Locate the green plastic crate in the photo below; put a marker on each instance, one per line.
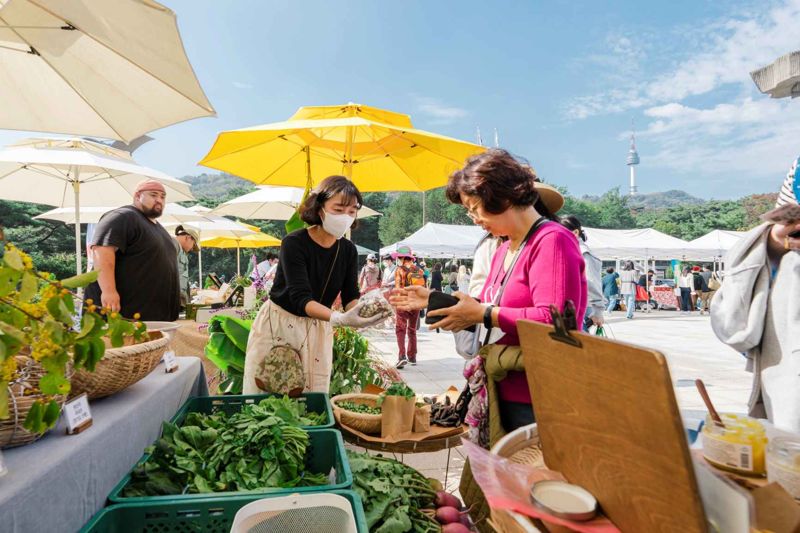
(327, 451)
(316, 402)
(209, 515)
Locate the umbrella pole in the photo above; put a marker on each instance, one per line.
(200, 267)
(238, 263)
(76, 187)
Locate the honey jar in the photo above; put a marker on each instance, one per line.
(783, 463)
(738, 447)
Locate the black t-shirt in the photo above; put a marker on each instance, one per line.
(303, 268)
(146, 271)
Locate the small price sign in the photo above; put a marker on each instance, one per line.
(170, 361)
(78, 414)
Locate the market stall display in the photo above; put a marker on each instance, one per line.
(311, 410)
(211, 515)
(71, 475)
(398, 498)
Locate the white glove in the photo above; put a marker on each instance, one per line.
(352, 319)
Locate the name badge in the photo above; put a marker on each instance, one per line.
(78, 414)
(170, 361)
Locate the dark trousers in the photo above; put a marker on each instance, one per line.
(686, 299)
(406, 324)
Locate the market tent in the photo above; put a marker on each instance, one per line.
(718, 242)
(441, 241)
(635, 244)
(364, 251)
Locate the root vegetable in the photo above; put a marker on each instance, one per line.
(448, 515)
(455, 527)
(435, 484)
(445, 499)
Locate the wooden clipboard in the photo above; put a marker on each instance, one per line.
(608, 420)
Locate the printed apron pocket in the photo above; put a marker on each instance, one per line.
(281, 371)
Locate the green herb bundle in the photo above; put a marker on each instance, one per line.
(393, 494)
(256, 448)
(398, 388)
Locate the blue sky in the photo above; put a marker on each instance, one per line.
(560, 80)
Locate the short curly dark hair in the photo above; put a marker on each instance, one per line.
(327, 189)
(497, 178)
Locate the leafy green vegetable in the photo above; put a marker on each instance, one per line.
(358, 407)
(257, 447)
(393, 494)
(398, 388)
(226, 347)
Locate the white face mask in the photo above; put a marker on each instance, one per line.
(337, 225)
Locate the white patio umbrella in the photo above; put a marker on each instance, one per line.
(173, 214)
(106, 69)
(216, 226)
(198, 208)
(74, 173)
(271, 203)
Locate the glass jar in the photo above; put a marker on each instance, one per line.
(783, 464)
(738, 447)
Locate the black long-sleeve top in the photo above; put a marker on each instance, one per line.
(303, 268)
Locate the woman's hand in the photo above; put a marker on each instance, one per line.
(411, 298)
(467, 312)
(780, 241)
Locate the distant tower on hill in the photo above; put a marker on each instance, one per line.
(633, 160)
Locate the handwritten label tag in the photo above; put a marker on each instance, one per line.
(78, 414)
(170, 361)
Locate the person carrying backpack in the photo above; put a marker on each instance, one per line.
(700, 288)
(407, 274)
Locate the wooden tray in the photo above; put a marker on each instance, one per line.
(608, 420)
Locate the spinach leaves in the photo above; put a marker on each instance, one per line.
(257, 447)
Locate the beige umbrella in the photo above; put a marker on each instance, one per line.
(74, 173)
(114, 69)
(271, 203)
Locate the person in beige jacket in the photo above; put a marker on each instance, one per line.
(757, 311)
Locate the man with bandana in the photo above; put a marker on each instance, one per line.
(135, 257)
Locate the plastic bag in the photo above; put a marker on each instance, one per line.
(507, 485)
(375, 304)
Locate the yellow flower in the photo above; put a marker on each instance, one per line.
(136, 316)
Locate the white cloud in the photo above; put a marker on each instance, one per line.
(742, 140)
(726, 52)
(241, 85)
(438, 112)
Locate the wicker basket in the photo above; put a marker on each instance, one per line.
(120, 368)
(11, 431)
(365, 423)
(520, 446)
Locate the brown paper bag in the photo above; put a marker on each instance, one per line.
(397, 415)
(422, 418)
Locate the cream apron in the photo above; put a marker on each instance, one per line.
(273, 326)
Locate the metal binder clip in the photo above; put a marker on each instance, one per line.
(563, 323)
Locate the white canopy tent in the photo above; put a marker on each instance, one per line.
(718, 242)
(441, 241)
(635, 244)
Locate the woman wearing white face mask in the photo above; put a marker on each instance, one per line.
(290, 348)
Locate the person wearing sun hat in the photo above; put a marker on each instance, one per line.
(406, 321)
(187, 240)
(757, 309)
(135, 257)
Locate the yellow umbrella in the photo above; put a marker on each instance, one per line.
(253, 240)
(378, 149)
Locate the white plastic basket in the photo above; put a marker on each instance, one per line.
(317, 513)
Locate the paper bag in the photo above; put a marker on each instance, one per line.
(397, 415)
(422, 418)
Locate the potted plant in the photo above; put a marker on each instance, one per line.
(42, 341)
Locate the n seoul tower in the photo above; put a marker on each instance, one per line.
(633, 160)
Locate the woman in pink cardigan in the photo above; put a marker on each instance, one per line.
(546, 265)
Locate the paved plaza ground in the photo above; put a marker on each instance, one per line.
(690, 346)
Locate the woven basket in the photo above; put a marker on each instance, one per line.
(365, 423)
(521, 446)
(11, 431)
(120, 368)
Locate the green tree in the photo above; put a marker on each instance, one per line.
(613, 211)
(402, 217)
(366, 234)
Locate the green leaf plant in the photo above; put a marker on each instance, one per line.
(38, 319)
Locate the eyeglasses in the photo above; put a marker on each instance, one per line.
(472, 210)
